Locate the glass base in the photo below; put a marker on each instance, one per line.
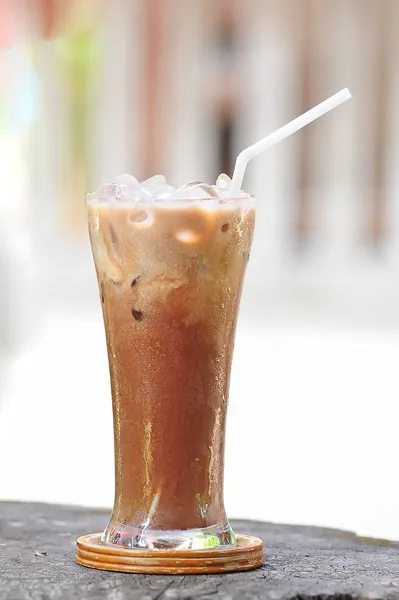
(245, 554)
(175, 539)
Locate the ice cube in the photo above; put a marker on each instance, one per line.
(107, 191)
(138, 216)
(223, 182)
(164, 192)
(153, 184)
(126, 179)
(194, 191)
(129, 187)
(141, 218)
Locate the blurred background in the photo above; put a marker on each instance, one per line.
(92, 88)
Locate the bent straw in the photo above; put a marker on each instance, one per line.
(280, 134)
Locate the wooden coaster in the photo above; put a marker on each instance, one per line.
(245, 555)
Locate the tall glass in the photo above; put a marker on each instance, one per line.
(170, 276)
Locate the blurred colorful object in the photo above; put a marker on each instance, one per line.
(49, 15)
(18, 81)
(79, 56)
(19, 91)
(54, 15)
(8, 20)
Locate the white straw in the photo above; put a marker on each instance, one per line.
(277, 136)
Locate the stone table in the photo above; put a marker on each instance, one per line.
(37, 562)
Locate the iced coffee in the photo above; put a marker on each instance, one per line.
(170, 266)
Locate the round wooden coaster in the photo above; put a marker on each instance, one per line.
(245, 555)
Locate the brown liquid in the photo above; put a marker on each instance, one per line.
(170, 281)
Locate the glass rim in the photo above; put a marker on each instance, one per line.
(114, 201)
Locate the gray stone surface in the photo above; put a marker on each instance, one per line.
(37, 562)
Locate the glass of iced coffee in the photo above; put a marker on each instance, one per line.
(170, 266)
